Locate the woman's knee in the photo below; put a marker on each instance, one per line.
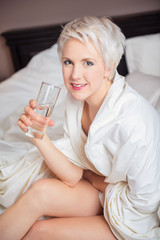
(40, 188)
(39, 191)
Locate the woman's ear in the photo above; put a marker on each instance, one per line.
(110, 72)
(107, 73)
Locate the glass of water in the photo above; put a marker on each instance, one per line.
(46, 101)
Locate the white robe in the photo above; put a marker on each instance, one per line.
(123, 144)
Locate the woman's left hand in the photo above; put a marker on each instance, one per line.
(96, 180)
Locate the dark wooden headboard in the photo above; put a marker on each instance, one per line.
(25, 43)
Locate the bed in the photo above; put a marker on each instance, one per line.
(34, 55)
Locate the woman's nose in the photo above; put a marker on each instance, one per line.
(76, 72)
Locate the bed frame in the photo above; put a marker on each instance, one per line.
(25, 43)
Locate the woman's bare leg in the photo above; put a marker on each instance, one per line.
(49, 197)
(79, 228)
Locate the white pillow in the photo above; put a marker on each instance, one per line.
(143, 54)
(147, 85)
(25, 84)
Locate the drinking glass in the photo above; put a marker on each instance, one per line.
(46, 101)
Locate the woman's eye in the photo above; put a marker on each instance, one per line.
(67, 62)
(89, 63)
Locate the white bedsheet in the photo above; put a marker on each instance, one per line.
(20, 162)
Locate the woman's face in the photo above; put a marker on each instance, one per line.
(84, 71)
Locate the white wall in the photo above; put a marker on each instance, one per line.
(16, 14)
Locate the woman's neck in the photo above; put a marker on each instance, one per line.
(90, 109)
(93, 105)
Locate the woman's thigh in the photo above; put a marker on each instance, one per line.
(79, 228)
(59, 200)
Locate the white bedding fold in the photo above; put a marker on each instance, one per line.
(19, 169)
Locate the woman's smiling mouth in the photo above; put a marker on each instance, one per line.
(78, 86)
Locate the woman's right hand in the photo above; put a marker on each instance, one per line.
(25, 119)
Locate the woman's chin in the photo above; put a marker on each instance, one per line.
(78, 96)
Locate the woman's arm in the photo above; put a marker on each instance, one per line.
(66, 171)
(58, 163)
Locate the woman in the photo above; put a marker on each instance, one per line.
(107, 165)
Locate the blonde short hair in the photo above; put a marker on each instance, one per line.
(106, 36)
